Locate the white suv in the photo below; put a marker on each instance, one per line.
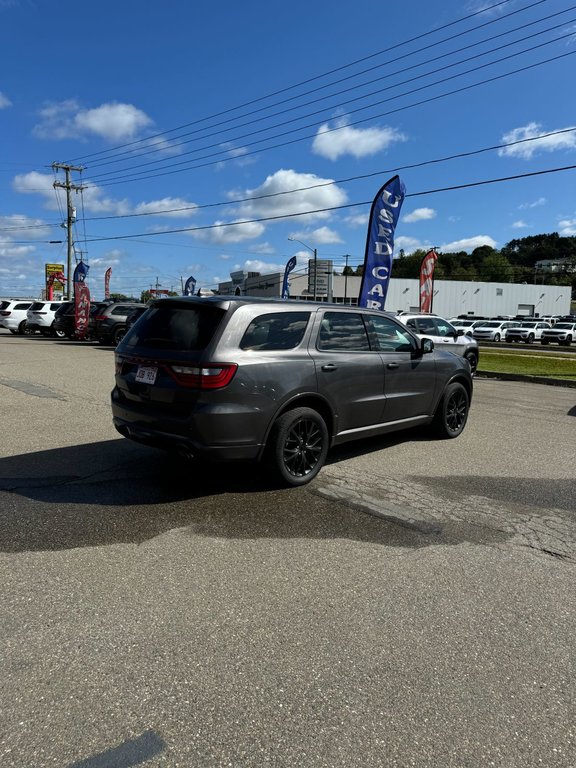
(443, 334)
(40, 317)
(13, 314)
(528, 332)
(492, 330)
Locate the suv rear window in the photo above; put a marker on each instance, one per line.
(278, 330)
(175, 327)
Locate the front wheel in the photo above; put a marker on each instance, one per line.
(530, 339)
(298, 446)
(568, 341)
(472, 358)
(544, 342)
(452, 413)
(496, 337)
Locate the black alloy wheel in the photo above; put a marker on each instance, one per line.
(298, 446)
(452, 413)
(118, 335)
(472, 358)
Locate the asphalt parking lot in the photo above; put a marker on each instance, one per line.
(413, 606)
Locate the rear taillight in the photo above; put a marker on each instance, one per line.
(5, 313)
(205, 377)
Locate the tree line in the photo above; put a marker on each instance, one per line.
(513, 263)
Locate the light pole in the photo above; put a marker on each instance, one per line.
(314, 251)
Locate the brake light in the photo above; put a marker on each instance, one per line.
(5, 313)
(206, 377)
(99, 317)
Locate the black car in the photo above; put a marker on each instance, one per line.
(110, 321)
(279, 381)
(64, 319)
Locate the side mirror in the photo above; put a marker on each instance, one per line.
(460, 332)
(424, 347)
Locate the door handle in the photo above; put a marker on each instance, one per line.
(329, 367)
(391, 365)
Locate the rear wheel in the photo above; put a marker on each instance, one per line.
(472, 358)
(118, 335)
(452, 413)
(298, 446)
(25, 328)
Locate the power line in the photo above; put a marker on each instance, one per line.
(387, 76)
(142, 175)
(308, 80)
(334, 208)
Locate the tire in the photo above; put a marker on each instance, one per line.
(452, 412)
(530, 339)
(568, 341)
(59, 334)
(298, 446)
(24, 329)
(472, 358)
(118, 335)
(496, 337)
(544, 342)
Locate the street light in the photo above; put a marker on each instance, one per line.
(313, 250)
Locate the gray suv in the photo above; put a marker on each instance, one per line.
(279, 381)
(109, 322)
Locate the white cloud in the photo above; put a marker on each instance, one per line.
(113, 122)
(467, 244)
(526, 150)
(408, 244)
(420, 214)
(567, 227)
(535, 204)
(4, 101)
(232, 232)
(344, 139)
(520, 224)
(321, 235)
(273, 202)
(357, 220)
(168, 206)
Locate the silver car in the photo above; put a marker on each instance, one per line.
(443, 334)
(279, 382)
(492, 330)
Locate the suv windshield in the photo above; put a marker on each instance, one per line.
(175, 326)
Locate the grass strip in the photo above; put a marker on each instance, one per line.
(529, 364)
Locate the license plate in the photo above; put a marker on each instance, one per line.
(146, 374)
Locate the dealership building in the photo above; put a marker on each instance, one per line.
(451, 297)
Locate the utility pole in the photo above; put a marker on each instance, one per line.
(70, 216)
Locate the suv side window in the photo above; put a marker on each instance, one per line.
(23, 306)
(444, 328)
(120, 310)
(425, 325)
(279, 330)
(343, 331)
(391, 337)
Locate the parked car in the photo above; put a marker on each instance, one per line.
(134, 315)
(110, 321)
(527, 332)
(40, 317)
(64, 319)
(466, 325)
(492, 330)
(281, 382)
(13, 315)
(561, 333)
(443, 334)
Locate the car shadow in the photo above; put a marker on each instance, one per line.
(118, 492)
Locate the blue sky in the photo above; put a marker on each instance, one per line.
(224, 120)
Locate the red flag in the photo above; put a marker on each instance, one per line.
(427, 280)
(107, 275)
(81, 308)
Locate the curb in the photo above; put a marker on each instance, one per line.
(523, 377)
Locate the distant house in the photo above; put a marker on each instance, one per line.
(558, 266)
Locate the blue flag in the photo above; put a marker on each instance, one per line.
(80, 272)
(189, 286)
(289, 267)
(380, 244)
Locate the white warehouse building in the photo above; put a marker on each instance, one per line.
(451, 297)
